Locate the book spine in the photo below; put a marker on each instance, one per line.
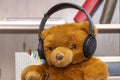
(89, 6)
(108, 11)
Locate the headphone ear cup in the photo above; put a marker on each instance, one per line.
(41, 50)
(89, 46)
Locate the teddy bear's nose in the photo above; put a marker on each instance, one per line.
(59, 56)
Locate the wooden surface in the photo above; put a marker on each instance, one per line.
(9, 43)
(108, 44)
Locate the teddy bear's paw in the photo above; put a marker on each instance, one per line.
(32, 75)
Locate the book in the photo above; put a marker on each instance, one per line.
(108, 11)
(90, 6)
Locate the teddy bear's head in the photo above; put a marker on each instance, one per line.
(63, 44)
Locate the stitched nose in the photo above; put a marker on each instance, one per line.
(59, 56)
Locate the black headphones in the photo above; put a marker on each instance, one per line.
(90, 43)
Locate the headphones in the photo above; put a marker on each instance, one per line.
(90, 43)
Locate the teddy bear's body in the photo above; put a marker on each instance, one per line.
(63, 48)
(92, 69)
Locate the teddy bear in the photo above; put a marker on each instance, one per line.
(65, 60)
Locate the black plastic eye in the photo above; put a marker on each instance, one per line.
(73, 46)
(51, 48)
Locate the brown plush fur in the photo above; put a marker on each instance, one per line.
(65, 62)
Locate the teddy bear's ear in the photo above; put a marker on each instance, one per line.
(44, 33)
(85, 26)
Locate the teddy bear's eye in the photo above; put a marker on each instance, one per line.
(51, 48)
(73, 46)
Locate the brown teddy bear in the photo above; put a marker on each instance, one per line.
(65, 60)
(68, 50)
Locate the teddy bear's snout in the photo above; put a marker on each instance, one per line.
(59, 56)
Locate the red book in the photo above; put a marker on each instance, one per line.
(89, 6)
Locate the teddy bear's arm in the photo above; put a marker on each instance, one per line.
(95, 71)
(34, 72)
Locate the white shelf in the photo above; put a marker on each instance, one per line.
(33, 25)
(109, 58)
(30, 22)
(114, 78)
(29, 27)
(108, 26)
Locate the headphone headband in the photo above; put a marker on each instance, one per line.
(64, 6)
(90, 44)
